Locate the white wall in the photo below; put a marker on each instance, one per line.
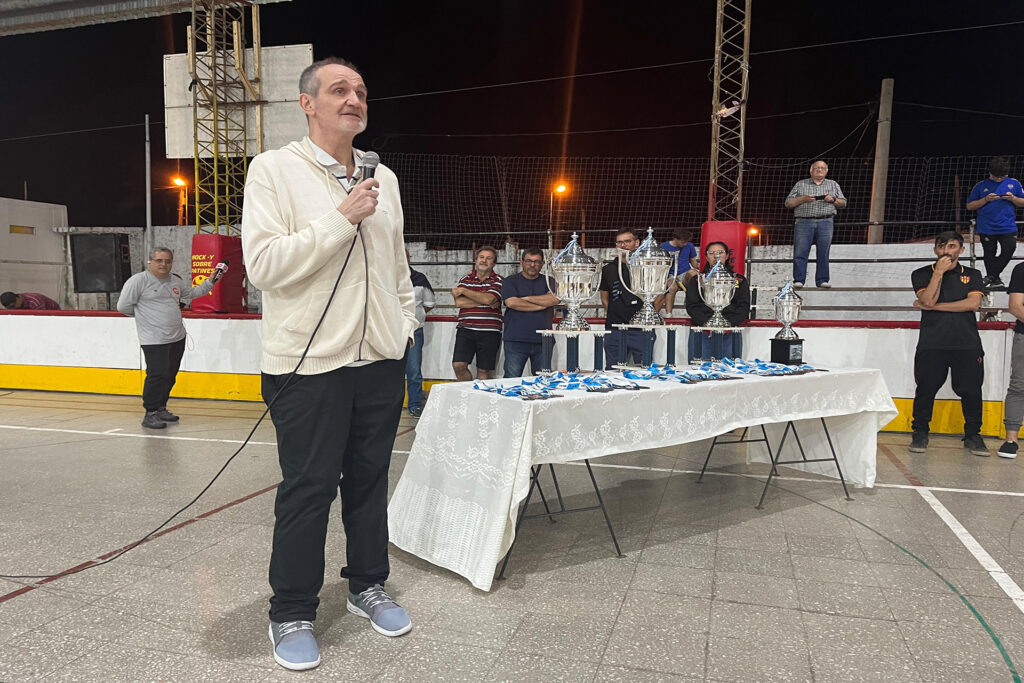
(43, 249)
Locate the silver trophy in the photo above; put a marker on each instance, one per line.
(787, 311)
(577, 277)
(716, 289)
(650, 272)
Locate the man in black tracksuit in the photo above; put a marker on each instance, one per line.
(948, 294)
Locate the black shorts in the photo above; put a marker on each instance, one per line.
(483, 345)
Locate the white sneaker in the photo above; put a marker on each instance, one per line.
(824, 285)
(798, 285)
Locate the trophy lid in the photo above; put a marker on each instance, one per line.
(648, 250)
(788, 293)
(573, 254)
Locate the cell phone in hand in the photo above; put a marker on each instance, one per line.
(819, 198)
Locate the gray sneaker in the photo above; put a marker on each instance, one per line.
(918, 442)
(294, 645)
(166, 415)
(976, 445)
(153, 421)
(385, 615)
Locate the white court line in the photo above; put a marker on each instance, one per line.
(111, 431)
(595, 464)
(1008, 585)
(710, 473)
(136, 436)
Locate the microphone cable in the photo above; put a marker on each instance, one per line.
(288, 380)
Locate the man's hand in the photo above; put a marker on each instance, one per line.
(457, 291)
(830, 199)
(991, 197)
(922, 306)
(360, 202)
(943, 264)
(807, 198)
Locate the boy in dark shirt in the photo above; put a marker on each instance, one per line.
(948, 294)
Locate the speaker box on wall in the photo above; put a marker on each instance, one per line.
(100, 262)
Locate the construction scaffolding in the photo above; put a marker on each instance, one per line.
(225, 104)
(728, 109)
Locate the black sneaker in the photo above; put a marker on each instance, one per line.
(992, 282)
(153, 421)
(918, 442)
(976, 445)
(166, 415)
(1008, 450)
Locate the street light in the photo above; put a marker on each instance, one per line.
(561, 188)
(182, 199)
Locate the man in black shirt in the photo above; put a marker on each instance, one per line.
(620, 305)
(948, 294)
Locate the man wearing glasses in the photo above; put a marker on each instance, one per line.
(529, 306)
(155, 298)
(620, 305)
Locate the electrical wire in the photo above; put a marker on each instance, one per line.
(277, 394)
(958, 109)
(668, 65)
(862, 125)
(80, 130)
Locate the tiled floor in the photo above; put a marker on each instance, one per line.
(814, 587)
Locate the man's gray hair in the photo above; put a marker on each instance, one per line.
(309, 82)
(158, 249)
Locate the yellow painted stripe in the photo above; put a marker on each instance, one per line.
(946, 416)
(210, 385)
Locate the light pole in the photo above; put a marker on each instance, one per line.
(182, 199)
(560, 188)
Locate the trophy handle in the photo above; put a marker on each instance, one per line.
(618, 256)
(548, 273)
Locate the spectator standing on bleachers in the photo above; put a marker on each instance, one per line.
(28, 301)
(814, 202)
(414, 365)
(948, 294)
(996, 200)
(529, 306)
(478, 331)
(1013, 404)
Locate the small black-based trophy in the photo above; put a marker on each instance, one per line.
(787, 347)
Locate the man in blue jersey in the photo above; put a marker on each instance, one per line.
(996, 200)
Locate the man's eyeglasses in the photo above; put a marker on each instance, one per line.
(622, 242)
(161, 260)
(534, 261)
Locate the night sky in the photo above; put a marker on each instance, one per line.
(111, 75)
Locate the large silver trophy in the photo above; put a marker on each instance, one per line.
(787, 346)
(650, 272)
(787, 311)
(716, 289)
(577, 277)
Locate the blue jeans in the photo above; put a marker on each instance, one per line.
(805, 231)
(708, 345)
(636, 341)
(517, 353)
(413, 373)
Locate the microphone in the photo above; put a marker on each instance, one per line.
(369, 164)
(219, 270)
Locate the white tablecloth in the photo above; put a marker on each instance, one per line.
(469, 468)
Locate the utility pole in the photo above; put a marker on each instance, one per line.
(881, 175)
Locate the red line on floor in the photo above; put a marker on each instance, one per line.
(404, 431)
(914, 481)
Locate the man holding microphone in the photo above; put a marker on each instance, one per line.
(325, 246)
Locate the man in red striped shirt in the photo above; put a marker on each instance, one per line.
(478, 333)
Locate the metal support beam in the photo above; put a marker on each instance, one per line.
(728, 109)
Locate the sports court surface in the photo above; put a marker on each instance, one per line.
(916, 579)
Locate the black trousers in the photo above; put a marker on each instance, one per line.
(334, 427)
(1006, 244)
(162, 363)
(968, 372)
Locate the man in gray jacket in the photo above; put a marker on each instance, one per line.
(154, 298)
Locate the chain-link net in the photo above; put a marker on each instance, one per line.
(458, 202)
